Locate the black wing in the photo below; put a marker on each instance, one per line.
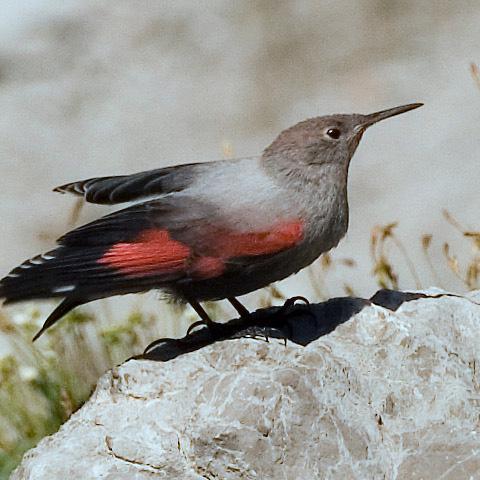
(74, 263)
(127, 188)
(76, 266)
(75, 269)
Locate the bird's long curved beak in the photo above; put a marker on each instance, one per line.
(372, 118)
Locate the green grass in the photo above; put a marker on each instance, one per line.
(41, 386)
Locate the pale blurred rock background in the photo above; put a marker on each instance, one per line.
(92, 87)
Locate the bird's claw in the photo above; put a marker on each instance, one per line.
(284, 311)
(213, 327)
(298, 298)
(194, 325)
(158, 342)
(257, 336)
(263, 334)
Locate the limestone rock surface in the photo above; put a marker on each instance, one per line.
(387, 395)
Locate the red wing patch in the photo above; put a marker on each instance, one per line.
(156, 252)
(281, 237)
(226, 245)
(153, 251)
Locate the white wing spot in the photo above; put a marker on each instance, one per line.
(65, 288)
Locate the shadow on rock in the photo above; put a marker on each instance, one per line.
(298, 323)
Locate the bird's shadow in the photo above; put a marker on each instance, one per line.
(297, 323)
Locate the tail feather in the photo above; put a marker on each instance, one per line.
(54, 274)
(68, 304)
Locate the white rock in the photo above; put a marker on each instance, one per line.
(388, 395)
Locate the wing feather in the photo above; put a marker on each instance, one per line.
(127, 188)
(145, 246)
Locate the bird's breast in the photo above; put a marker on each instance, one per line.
(327, 220)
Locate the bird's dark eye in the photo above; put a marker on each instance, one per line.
(333, 133)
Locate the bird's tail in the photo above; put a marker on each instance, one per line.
(117, 254)
(68, 304)
(54, 274)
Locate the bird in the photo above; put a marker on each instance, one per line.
(205, 231)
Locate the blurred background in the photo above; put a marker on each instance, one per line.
(96, 87)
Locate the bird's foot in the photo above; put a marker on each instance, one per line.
(264, 334)
(283, 311)
(254, 335)
(276, 327)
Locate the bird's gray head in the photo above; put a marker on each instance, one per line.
(330, 140)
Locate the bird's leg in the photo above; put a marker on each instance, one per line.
(205, 319)
(241, 310)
